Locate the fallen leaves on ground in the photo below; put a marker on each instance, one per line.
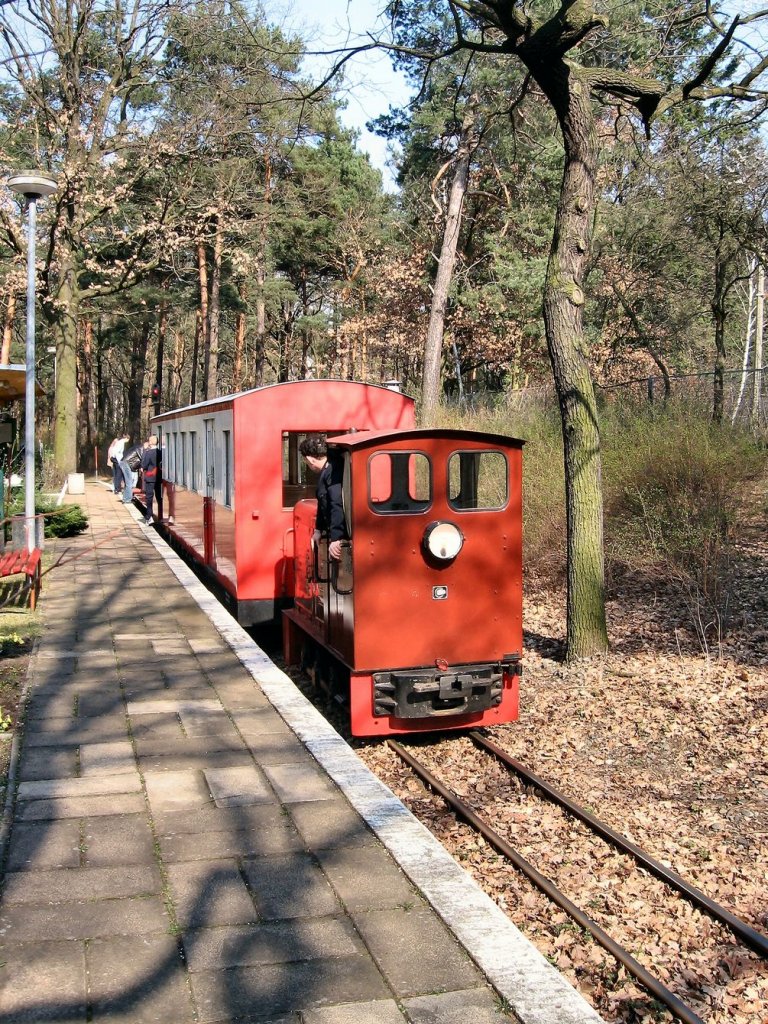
(666, 744)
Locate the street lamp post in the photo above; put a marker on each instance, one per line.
(33, 185)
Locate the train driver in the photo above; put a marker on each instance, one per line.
(330, 509)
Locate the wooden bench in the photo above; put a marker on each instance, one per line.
(27, 562)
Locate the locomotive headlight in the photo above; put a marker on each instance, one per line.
(443, 540)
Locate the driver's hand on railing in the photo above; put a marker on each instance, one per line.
(334, 550)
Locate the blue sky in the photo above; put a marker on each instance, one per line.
(371, 83)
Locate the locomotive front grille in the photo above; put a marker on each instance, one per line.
(426, 693)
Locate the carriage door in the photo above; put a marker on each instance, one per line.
(209, 503)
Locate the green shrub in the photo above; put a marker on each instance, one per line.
(61, 521)
(66, 521)
(673, 483)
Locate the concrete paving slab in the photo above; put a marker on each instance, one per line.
(44, 763)
(261, 721)
(280, 942)
(205, 723)
(237, 787)
(278, 749)
(170, 648)
(290, 886)
(298, 783)
(61, 705)
(176, 790)
(107, 758)
(90, 705)
(138, 981)
(50, 844)
(366, 878)
(479, 1005)
(189, 746)
(382, 1011)
(113, 840)
(239, 696)
(208, 645)
(72, 734)
(441, 964)
(256, 994)
(74, 884)
(220, 819)
(145, 728)
(164, 705)
(42, 983)
(194, 760)
(208, 893)
(235, 844)
(92, 785)
(84, 920)
(330, 824)
(80, 807)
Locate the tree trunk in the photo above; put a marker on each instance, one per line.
(568, 351)
(136, 382)
(433, 347)
(199, 331)
(237, 367)
(10, 316)
(162, 331)
(754, 418)
(214, 314)
(261, 276)
(65, 332)
(719, 315)
(205, 340)
(86, 392)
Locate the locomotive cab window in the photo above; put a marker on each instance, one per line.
(399, 482)
(299, 481)
(478, 481)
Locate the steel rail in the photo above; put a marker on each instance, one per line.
(636, 969)
(749, 936)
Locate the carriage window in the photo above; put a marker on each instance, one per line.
(399, 482)
(477, 480)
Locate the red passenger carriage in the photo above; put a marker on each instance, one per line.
(232, 474)
(420, 623)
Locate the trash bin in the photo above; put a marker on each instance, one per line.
(76, 483)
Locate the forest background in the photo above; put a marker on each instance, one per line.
(217, 228)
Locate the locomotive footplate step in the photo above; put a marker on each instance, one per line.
(188, 840)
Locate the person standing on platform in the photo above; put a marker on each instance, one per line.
(150, 475)
(130, 468)
(114, 457)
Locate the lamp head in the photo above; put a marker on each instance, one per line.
(32, 184)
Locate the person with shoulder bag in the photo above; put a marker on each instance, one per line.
(130, 467)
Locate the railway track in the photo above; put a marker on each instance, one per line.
(741, 931)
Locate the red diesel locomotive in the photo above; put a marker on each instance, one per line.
(231, 474)
(419, 625)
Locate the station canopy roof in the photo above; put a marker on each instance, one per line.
(13, 383)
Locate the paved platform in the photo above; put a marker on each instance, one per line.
(186, 839)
